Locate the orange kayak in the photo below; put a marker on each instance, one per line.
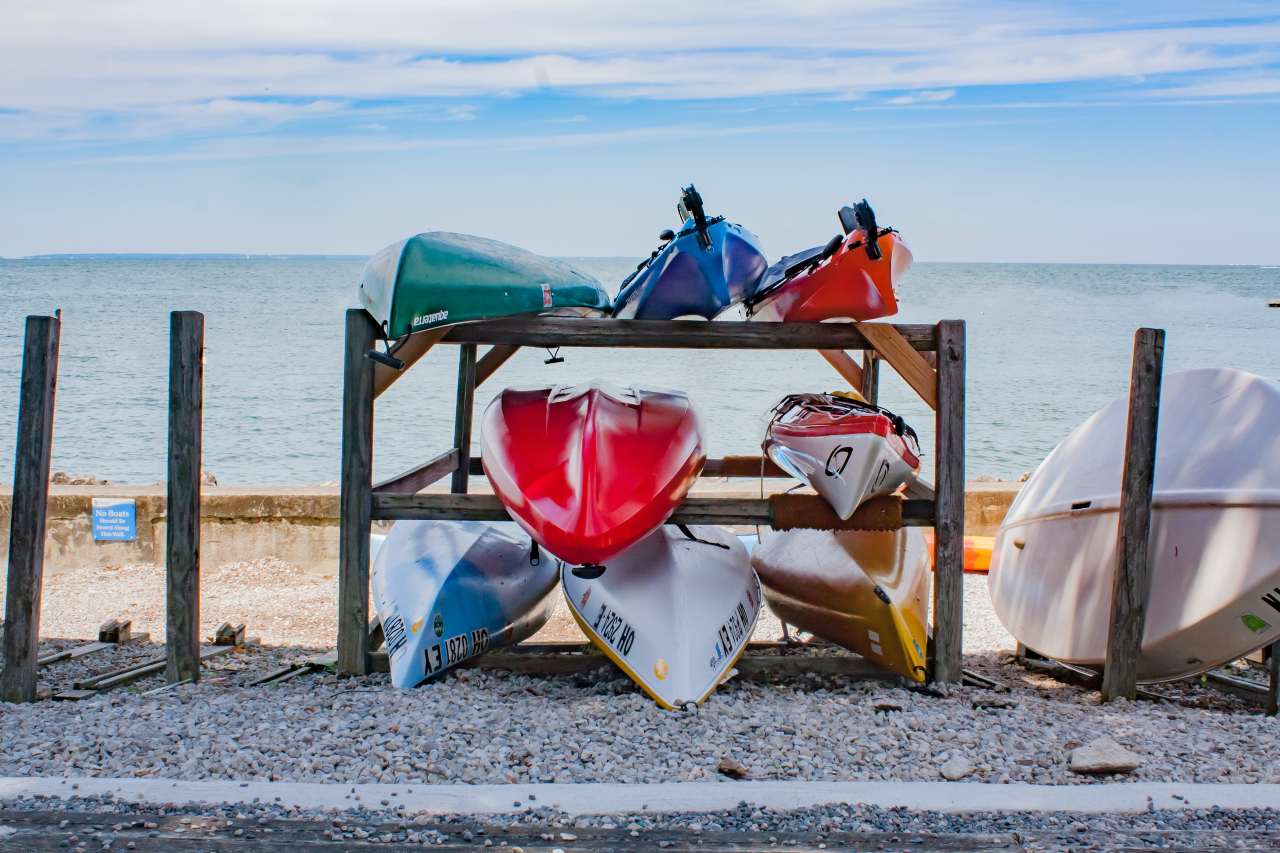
(977, 552)
(847, 279)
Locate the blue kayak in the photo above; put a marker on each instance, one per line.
(699, 271)
(447, 591)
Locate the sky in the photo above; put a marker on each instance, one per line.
(983, 130)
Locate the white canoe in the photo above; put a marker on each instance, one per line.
(673, 613)
(865, 590)
(447, 591)
(1215, 532)
(844, 449)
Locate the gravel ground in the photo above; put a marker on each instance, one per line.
(494, 726)
(745, 827)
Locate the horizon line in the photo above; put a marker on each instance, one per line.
(348, 256)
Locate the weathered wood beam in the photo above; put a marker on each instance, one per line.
(419, 477)
(777, 511)
(949, 445)
(464, 406)
(410, 352)
(871, 376)
(679, 334)
(182, 506)
(356, 494)
(1131, 586)
(1272, 658)
(494, 357)
(729, 466)
(29, 507)
(844, 364)
(902, 356)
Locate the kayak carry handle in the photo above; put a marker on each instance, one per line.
(690, 207)
(385, 358)
(588, 571)
(666, 235)
(866, 218)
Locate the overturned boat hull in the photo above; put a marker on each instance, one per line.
(446, 591)
(1214, 541)
(590, 470)
(865, 590)
(845, 450)
(674, 613)
(441, 279)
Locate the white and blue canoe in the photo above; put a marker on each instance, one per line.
(446, 591)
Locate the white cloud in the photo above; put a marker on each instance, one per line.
(169, 67)
(925, 96)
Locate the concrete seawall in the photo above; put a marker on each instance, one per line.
(297, 524)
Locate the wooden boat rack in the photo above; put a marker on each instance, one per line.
(930, 358)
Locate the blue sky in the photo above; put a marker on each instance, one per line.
(1125, 132)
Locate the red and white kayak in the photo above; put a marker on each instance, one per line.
(843, 448)
(591, 469)
(851, 278)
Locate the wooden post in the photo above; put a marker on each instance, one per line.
(182, 506)
(462, 416)
(1271, 655)
(27, 516)
(948, 577)
(355, 502)
(1132, 583)
(871, 376)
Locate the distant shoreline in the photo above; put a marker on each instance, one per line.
(235, 256)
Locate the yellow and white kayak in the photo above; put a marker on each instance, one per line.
(674, 611)
(865, 590)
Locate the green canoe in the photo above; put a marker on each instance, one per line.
(442, 279)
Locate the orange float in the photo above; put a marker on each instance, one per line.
(977, 552)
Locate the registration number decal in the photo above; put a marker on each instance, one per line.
(614, 630)
(455, 650)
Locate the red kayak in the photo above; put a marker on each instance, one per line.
(848, 279)
(590, 470)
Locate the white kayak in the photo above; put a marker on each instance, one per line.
(673, 613)
(844, 449)
(1215, 532)
(446, 591)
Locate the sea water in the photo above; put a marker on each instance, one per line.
(1048, 344)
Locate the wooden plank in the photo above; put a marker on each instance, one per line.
(901, 354)
(871, 376)
(356, 493)
(678, 334)
(182, 507)
(416, 479)
(778, 511)
(743, 466)
(465, 404)
(919, 490)
(410, 351)
(1132, 583)
(949, 445)
(29, 507)
(73, 653)
(492, 360)
(115, 678)
(845, 366)
(729, 466)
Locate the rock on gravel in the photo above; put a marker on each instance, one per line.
(956, 768)
(1104, 756)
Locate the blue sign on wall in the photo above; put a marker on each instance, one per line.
(115, 520)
